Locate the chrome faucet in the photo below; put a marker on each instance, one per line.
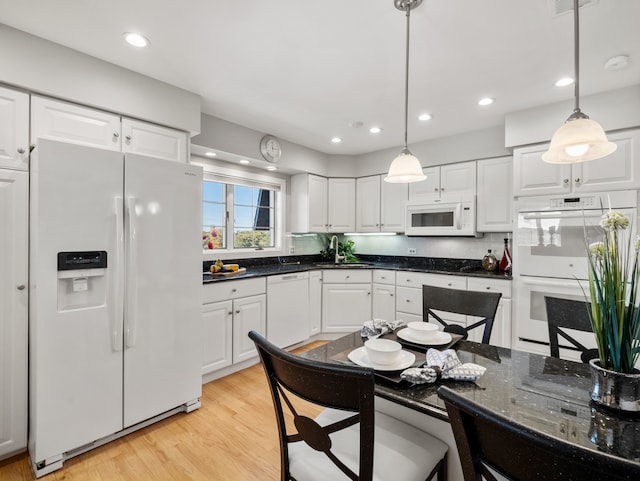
(338, 258)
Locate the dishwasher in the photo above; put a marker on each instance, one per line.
(288, 308)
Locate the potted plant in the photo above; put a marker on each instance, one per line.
(613, 283)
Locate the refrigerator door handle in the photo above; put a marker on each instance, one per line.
(116, 279)
(132, 280)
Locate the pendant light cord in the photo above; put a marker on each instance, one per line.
(576, 53)
(406, 80)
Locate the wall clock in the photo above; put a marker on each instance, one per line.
(270, 148)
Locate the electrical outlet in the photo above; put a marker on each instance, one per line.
(412, 250)
(292, 250)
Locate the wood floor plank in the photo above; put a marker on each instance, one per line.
(232, 437)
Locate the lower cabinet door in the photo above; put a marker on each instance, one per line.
(384, 302)
(249, 314)
(345, 307)
(217, 335)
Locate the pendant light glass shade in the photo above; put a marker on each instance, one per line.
(578, 140)
(405, 168)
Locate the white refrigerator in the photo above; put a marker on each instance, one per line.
(115, 282)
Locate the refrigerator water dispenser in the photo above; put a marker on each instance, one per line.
(81, 279)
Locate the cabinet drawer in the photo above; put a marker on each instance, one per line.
(409, 300)
(490, 285)
(381, 276)
(346, 276)
(224, 290)
(418, 279)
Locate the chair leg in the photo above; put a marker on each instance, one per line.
(439, 471)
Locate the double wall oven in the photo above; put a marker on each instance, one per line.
(550, 257)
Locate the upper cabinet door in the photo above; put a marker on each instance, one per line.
(14, 129)
(458, 181)
(342, 204)
(495, 197)
(154, 141)
(55, 120)
(393, 201)
(368, 204)
(316, 202)
(428, 189)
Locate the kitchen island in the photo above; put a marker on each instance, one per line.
(543, 393)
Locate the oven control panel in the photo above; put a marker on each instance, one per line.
(587, 202)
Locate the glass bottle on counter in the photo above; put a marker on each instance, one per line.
(489, 262)
(505, 262)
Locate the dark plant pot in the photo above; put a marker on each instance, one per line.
(615, 390)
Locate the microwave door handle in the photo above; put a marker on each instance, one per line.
(459, 216)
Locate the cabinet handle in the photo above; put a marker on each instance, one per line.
(234, 290)
(21, 151)
(436, 189)
(348, 277)
(390, 295)
(368, 293)
(382, 277)
(449, 284)
(441, 189)
(20, 287)
(488, 287)
(566, 181)
(116, 135)
(237, 311)
(577, 181)
(408, 300)
(231, 313)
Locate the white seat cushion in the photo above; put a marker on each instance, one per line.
(401, 452)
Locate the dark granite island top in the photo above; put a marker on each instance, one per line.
(544, 393)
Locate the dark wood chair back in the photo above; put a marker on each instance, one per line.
(568, 314)
(470, 303)
(488, 441)
(348, 388)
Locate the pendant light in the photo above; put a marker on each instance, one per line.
(579, 139)
(405, 167)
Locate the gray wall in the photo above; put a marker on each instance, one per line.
(37, 65)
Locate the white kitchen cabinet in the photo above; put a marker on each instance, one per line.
(315, 302)
(618, 171)
(243, 304)
(494, 205)
(384, 295)
(319, 204)
(341, 201)
(446, 182)
(14, 194)
(217, 336)
(154, 141)
(288, 308)
(346, 299)
(380, 205)
(56, 120)
(249, 314)
(14, 129)
(501, 333)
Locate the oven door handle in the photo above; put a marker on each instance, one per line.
(563, 215)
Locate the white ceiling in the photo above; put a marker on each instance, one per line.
(305, 70)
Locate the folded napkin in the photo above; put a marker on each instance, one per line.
(443, 365)
(378, 327)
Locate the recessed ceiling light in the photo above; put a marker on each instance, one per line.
(336, 140)
(375, 130)
(486, 101)
(136, 39)
(564, 81)
(616, 63)
(271, 167)
(424, 117)
(210, 154)
(244, 161)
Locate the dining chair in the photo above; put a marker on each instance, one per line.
(470, 303)
(568, 314)
(348, 439)
(489, 443)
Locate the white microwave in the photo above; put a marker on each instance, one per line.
(441, 219)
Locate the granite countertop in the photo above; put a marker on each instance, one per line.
(272, 266)
(544, 393)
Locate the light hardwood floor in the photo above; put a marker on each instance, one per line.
(232, 437)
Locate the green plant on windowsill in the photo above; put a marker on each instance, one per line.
(613, 285)
(346, 249)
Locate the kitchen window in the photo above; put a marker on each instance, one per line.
(240, 213)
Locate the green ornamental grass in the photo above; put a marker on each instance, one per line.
(613, 282)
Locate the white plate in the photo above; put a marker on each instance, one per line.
(440, 339)
(360, 357)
